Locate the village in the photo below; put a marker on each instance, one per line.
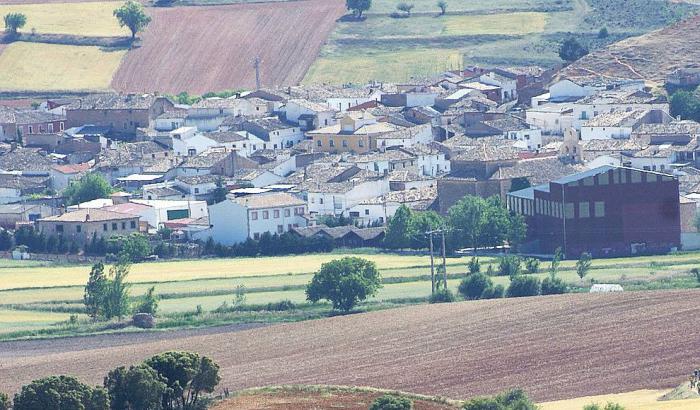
(593, 164)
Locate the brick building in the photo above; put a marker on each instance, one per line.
(81, 225)
(607, 211)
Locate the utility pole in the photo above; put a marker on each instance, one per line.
(432, 265)
(444, 263)
(256, 64)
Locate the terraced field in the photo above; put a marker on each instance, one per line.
(83, 19)
(554, 347)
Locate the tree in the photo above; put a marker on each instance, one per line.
(685, 104)
(583, 265)
(95, 291)
(137, 388)
(398, 233)
(4, 401)
(442, 5)
(473, 286)
(133, 16)
(60, 393)
(532, 265)
(603, 33)
(5, 240)
(571, 50)
(556, 261)
(474, 266)
(219, 193)
(344, 282)
(88, 187)
(466, 218)
(405, 7)
(510, 400)
(14, 22)
(116, 301)
(150, 302)
(422, 222)
(391, 402)
(522, 285)
(187, 376)
(132, 248)
(509, 265)
(358, 7)
(496, 223)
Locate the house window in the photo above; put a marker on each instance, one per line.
(266, 214)
(61, 126)
(114, 226)
(254, 215)
(133, 224)
(569, 210)
(319, 143)
(361, 143)
(196, 190)
(300, 211)
(123, 226)
(345, 143)
(331, 143)
(104, 227)
(276, 213)
(599, 209)
(636, 176)
(31, 130)
(256, 236)
(366, 211)
(59, 228)
(320, 201)
(78, 228)
(50, 128)
(584, 210)
(287, 212)
(280, 228)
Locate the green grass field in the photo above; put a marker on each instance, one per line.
(84, 19)
(52, 67)
(44, 295)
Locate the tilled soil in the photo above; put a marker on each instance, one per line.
(554, 347)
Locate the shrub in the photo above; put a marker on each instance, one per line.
(474, 266)
(583, 265)
(281, 306)
(603, 33)
(509, 265)
(532, 265)
(553, 286)
(150, 302)
(442, 296)
(391, 402)
(344, 282)
(571, 50)
(609, 406)
(4, 402)
(473, 286)
(521, 286)
(138, 388)
(696, 273)
(510, 400)
(60, 392)
(493, 292)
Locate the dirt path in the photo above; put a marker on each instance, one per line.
(554, 347)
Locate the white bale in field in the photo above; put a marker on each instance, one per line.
(606, 287)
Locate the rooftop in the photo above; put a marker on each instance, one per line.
(114, 102)
(88, 215)
(269, 200)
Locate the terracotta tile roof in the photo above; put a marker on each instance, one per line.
(85, 215)
(269, 200)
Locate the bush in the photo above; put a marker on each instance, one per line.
(150, 302)
(553, 286)
(4, 402)
(60, 392)
(609, 406)
(474, 266)
(509, 265)
(281, 306)
(571, 50)
(473, 286)
(603, 33)
(494, 292)
(532, 265)
(522, 285)
(344, 282)
(510, 400)
(391, 402)
(442, 296)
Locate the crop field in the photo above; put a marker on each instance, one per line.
(16, 320)
(53, 67)
(200, 49)
(636, 400)
(84, 19)
(554, 347)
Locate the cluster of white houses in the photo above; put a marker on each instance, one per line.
(273, 161)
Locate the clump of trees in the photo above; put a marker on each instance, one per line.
(358, 7)
(90, 186)
(14, 22)
(107, 295)
(270, 245)
(60, 392)
(511, 400)
(344, 282)
(686, 104)
(133, 16)
(391, 402)
(572, 50)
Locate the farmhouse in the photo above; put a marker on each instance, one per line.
(605, 211)
(38, 122)
(13, 214)
(81, 225)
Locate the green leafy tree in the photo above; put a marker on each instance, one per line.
(521, 286)
(422, 222)
(442, 5)
(517, 230)
(137, 388)
(391, 402)
(474, 266)
(399, 232)
(493, 292)
(88, 187)
(358, 7)
(685, 104)
(116, 301)
(187, 376)
(509, 265)
(583, 265)
(532, 265)
(442, 295)
(496, 223)
(14, 22)
(556, 261)
(133, 16)
(344, 282)
(405, 7)
(4, 402)
(133, 248)
(473, 286)
(60, 393)
(96, 291)
(219, 193)
(150, 302)
(510, 400)
(5, 240)
(571, 50)
(466, 218)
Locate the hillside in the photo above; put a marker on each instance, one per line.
(554, 347)
(651, 56)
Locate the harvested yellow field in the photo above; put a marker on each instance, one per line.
(53, 67)
(510, 23)
(636, 400)
(15, 320)
(85, 19)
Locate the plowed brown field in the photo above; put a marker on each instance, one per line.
(200, 49)
(554, 347)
